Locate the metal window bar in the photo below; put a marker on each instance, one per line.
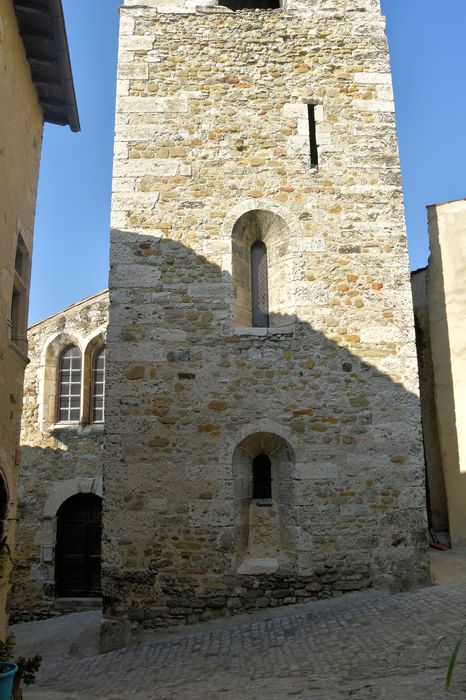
(259, 286)
(69, 394)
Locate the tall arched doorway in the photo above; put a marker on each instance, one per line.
(78, 551)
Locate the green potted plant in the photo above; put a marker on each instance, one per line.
(23, 670)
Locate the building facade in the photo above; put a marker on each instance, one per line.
(57, 556)
(263, 440)
(439, 301)
(36, 86)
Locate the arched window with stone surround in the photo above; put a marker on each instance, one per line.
(262, 291)
(263, 492)
(69, 385)
(97, 386)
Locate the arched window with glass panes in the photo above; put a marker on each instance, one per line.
(69, 385)
(97, 386)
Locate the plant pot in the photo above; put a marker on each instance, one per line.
(7, 672)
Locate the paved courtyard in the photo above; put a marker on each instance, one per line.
(370, 645)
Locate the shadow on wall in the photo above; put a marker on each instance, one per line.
(194, 398)
(51, 477)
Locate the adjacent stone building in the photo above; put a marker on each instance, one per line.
(57, 557)
(35, 86)
(440, 308)
(263, 439)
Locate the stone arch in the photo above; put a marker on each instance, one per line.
(250, 204)
(276, 226)
(264, 530)
(91, 344)
(63, 490)
(262, 426)
(48, 375)
(268, 228)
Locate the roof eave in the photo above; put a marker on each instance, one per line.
(42, 28)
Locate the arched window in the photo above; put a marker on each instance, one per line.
(251, 4)
(259, 285)
(97, 386)
(261, 477)
(260, 271)
(69, 385)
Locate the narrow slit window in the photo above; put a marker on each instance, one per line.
(251, 4)
(259, 286)
(261, 477)
(69, 394)
(313, 149)
(98, 383)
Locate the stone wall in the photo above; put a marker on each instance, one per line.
(21, 125)
(447, 319)
(58, 460)
(435, 486)
(212, 125)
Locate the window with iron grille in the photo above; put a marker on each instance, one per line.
(97, 383)
(259, 286)
(69, 394)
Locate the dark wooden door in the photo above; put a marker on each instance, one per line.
(78, 552)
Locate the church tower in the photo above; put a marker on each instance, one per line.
(263, 435)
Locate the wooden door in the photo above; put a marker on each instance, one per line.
(78, 551)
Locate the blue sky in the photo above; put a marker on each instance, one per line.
(70, 258)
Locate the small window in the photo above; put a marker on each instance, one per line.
(261, 477)
(98, 383)
(15, 314)
(314, 153)
(259, 286)
(69, 394)
(251, 4)
(19, 297)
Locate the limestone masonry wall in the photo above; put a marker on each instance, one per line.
(58, 460)
(447, 316)
(21, 123)
(212, 151)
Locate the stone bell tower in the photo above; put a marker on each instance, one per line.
(263, 433)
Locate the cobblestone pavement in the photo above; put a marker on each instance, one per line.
(369, 646)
